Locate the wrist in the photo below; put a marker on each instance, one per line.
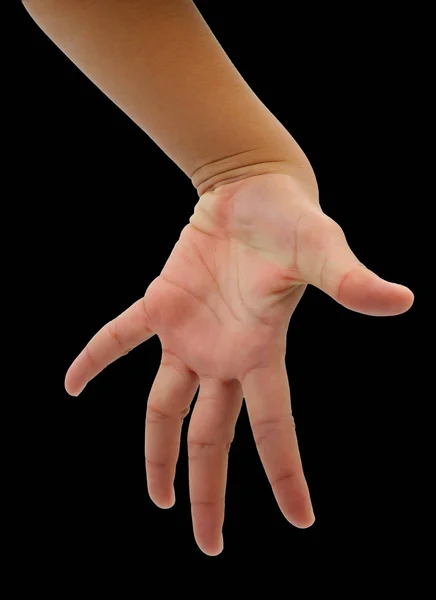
(287, 159)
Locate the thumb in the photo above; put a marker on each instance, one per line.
(328, 262)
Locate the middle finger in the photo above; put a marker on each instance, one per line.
(211, 432)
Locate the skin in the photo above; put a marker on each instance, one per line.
(221, 308)
(222, 304)
(161, 64)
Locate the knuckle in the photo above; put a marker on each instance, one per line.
(156, 415)
(112, 328)
(169, 359)
(251, 369)
(199, 448)
(207, 503)
(90, 356)
(158, 464)
(145, 314)
(285, 476)
(262, 430)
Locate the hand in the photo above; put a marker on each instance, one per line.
(221, 308)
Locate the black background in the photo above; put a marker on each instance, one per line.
(102, 209)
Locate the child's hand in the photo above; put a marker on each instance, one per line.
(221, 308)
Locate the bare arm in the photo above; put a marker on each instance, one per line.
(161, 64)
(222, 304)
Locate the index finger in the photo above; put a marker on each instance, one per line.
(266, 390)
(116, 338)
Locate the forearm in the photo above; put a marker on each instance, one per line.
(160, 63)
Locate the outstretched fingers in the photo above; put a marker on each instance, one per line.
(266, 390)
(116, 338)
(211, 432)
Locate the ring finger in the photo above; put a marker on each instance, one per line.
(170, 397)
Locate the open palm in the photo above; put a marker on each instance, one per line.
(221, 308)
